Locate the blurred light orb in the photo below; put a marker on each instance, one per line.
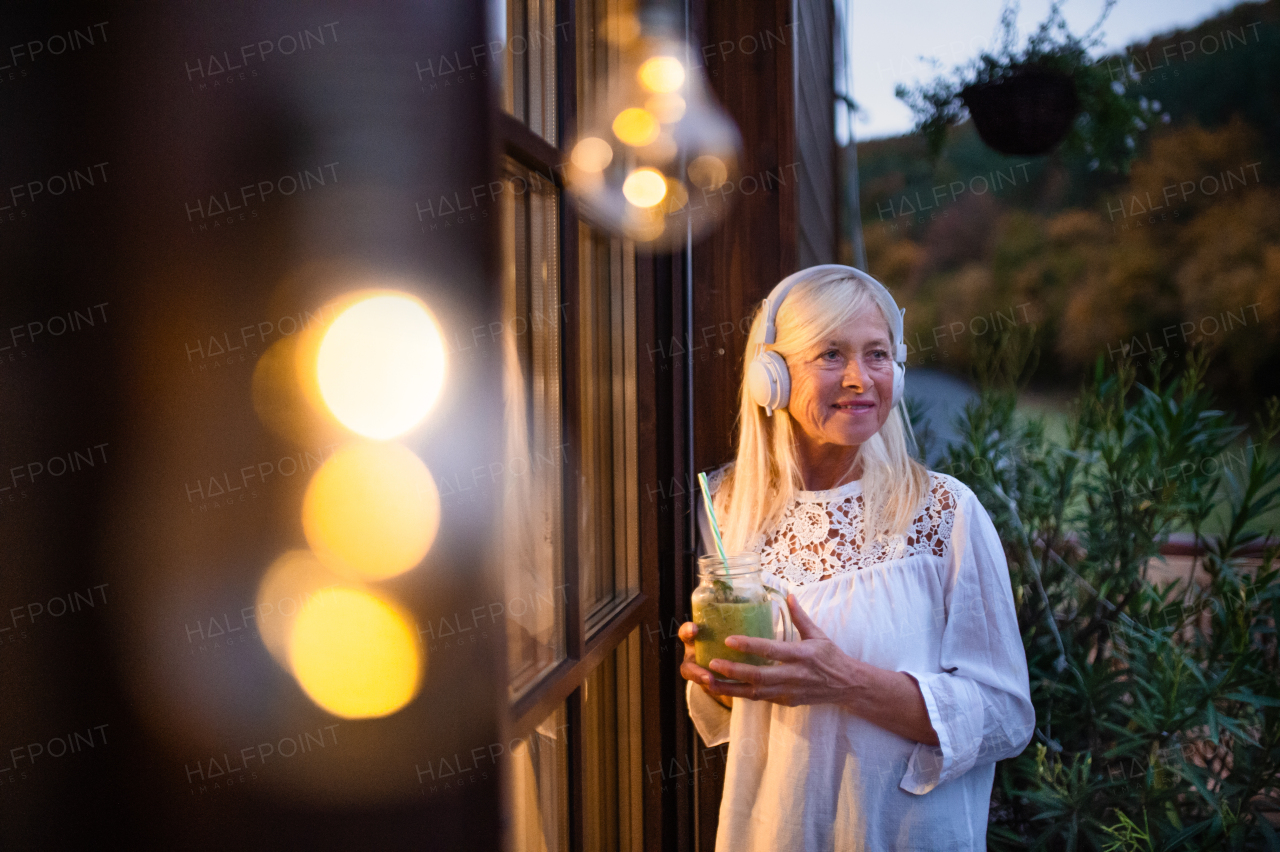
(592, 154)
(674, 151)
(380, 365)
(668, 108)
(275, 392)
(354, 655)
(620, 28)
(286, 401)
(371, 511)
(288, 585)
(660, 153)
(644, 224)
(645, 187)
(636, 127)
(677, 196)
(661, 74)
(708, 172)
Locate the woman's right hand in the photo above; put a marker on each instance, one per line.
(690, 670)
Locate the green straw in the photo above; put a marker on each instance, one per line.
(711, 513)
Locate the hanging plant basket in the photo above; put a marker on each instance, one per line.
(1026, 112)
(1024, 101)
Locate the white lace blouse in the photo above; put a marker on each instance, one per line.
(935, 604)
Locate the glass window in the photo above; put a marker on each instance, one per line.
(532, 514)
(538, 789)
(603, 25)
(608, 549)
(600, 422)
(611, 755)
(608, 555)
(529, 65)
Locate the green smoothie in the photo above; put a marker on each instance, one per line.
(716, 621)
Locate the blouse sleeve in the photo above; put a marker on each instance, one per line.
(980, 703)
(710, 717)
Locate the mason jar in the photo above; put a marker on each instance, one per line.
(732, 599)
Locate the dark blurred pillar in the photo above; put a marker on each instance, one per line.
(129, 139)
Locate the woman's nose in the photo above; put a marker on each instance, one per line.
(854, 375)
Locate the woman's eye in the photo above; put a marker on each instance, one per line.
(831, 354)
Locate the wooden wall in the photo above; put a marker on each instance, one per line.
(736, 267)
(782, 218)
(784, 212)
(769, 63)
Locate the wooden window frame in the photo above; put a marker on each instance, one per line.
(753, 249)
(584, 651)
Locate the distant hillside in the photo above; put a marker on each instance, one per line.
(1225, 66)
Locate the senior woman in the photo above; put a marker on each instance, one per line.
(880, 728)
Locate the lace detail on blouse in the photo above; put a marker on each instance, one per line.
(819, 538)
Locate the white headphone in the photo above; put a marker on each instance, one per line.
(768, 380)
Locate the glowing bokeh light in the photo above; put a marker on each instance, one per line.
(645, 222)
(274, 392)
(291, 581)
(371, 511)
(620, 28)
(354, 655)
(708, 172)
(677, 196)
(380, 365)
(661, 74)
(644, 187)
(664, 116)
(668, 109)
(636, 127)
(592, 154)
(285, 404)
(660, 151)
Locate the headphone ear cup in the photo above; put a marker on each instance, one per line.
(899, 382)
(768, 381)
(758, 383)
(782, 381)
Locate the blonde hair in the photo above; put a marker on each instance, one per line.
(766, 474)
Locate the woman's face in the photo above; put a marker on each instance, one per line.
(842, 388)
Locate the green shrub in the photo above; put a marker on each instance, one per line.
(1157, 709)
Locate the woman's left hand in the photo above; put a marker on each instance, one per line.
(811, 671)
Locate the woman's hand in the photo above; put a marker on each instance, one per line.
(811, 671)
(815, 671)
(689, 669)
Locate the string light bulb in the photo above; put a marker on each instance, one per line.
(657, 154)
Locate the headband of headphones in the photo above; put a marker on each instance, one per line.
(774, 301)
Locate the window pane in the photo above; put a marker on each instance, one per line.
(529, 65)
(538, 789)
(532, 514)
(602, 27)
(608, 553)
(611, 753)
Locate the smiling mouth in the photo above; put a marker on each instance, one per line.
(854, 407)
